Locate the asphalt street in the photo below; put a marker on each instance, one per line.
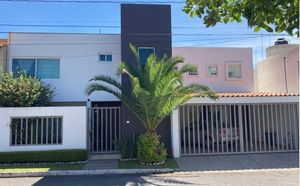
(275, 177)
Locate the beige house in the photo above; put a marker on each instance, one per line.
(3, 43)
(279, 72)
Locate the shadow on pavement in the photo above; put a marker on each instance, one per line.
(108, 180)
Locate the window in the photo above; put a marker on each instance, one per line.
(194, 73)
(105, 58)
(36, 131)
(41, 68)
(144, 53)
(212, 70)
(234, 71)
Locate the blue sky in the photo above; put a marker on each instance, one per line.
(222, 35)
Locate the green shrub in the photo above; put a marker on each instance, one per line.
(23, 91)
(127, 146)
(44, 156)
(150, 150)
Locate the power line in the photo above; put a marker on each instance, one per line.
(102, 26)
(157, 34)
(90, 26)
(95, 1)
(225, 40)
(96, 43)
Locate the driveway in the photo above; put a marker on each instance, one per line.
(239, 162)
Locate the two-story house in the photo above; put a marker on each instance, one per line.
(240, 121)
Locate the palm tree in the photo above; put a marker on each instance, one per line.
(157, 88)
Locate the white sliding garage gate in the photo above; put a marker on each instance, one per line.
(238, 128)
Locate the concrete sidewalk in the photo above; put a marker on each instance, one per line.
(239, 162)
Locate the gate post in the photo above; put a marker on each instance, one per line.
(241, 128)
(88, 124)
(175, 137)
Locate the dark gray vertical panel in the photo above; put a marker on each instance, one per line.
(281, 126)
(110, 130)
(217, 127)
(203, 129)
(93, 129)
(221, 125)
(277, 126)
(97, 123)
(254, 124)
(145, 26)
(272, 126)
(290, 126)
(26, 131)
(198, 129)
(226, 126)
(230, 123)
(264, 125)
(212, 127)
(235, 128)
(207, 129)
(193, 120)
(189, 129)
(246, 124)
(101, 129)
(184, 129)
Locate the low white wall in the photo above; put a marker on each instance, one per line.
(74, 127)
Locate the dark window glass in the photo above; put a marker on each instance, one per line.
(102, 57)
(108, 57)
(144, 53)
(23, 65)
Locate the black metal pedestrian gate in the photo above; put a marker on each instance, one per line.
(104, 129)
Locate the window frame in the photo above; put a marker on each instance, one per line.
(227, 70)
(207, 70)
(105, 53)
(35, 65)
(146, 47)
(194, 75)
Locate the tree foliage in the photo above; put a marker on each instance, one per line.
(157, 87)
(23, 91)
(272, 15)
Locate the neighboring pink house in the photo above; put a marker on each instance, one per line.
(279, 72)
(223, 69)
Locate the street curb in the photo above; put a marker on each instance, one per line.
(85, 172)
(191, 172)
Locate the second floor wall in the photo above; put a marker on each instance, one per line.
(223, 69)
(66, 61)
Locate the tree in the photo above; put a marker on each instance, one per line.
(283, 15)
(23, 91)
(157, 89)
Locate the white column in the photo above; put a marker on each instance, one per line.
(175, 133)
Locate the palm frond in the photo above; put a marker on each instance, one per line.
(157, 87)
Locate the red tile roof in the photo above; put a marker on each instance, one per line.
(254, 94)
(3, 42)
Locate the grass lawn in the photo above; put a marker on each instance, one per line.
(41, 167)
(134, 164)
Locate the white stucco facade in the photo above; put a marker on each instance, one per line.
(73, 122)
(79, 60)
(219, 57)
